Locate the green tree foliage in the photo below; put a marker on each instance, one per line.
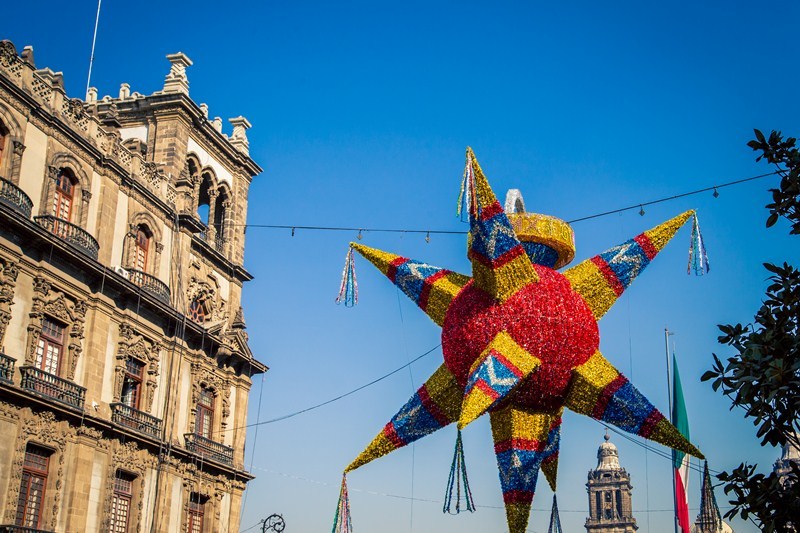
(763, 376)
(786, 157)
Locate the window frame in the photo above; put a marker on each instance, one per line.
(62, 195)
(46, 341)
(197, 311)
(30, 470)
(205, 406)
(141, 248)
(121, 494)
(195, 519)
(136, 379)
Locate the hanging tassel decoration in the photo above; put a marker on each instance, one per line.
(467, 198)
(698, 258)
(555, 520)
(342, 522)
(458, 483)
(348, 290)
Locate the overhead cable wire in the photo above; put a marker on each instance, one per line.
(428, 232)
(337, 398)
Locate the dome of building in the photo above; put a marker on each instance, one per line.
(607, 455)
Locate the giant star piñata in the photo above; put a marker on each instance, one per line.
(520, 341)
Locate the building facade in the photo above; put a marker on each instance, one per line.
(609, 487)
(124, 360)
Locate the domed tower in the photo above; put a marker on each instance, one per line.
(609, 487)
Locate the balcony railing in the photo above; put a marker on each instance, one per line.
(218, 242)
(127, 416)
(13, 197)
(52, 387)
(209, 449)
(72, 234)
(8, 528)
(6, 368)
(151, 284)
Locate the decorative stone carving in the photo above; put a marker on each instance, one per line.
(71, 312)
(204, 376)
(8, 54)
(8, 281)
(129, 458)
(18, 147)
(44, 429)
(134, 345)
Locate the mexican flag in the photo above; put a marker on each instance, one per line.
(679, 459)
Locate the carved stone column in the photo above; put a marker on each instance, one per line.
(41, 287)
(211, 232)
(8, 281)
(16, 163)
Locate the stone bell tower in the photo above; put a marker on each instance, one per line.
(609, 488)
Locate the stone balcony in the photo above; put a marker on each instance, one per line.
(52, 387)
(70, 233)
(209, 449)
(13, 197)
(6, 368)
(150, 284)
(127, 416)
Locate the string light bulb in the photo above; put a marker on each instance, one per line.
(359, 236)
(716, 193)
(641, 210)
(428, 237)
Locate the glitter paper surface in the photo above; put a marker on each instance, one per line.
(520, 341)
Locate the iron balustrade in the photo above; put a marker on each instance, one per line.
(52, 387)
(69, 232)
(6, 368)
(9, 528)
(151, 284)
(127, 416)
(13, 197)
(208, 448)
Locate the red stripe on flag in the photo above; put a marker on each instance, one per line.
(681, 503)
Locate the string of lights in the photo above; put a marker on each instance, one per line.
(428, 232)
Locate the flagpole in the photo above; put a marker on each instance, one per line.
(94, 40)
(669, 403)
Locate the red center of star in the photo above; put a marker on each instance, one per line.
(547, 318)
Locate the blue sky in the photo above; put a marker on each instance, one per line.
(361, 112)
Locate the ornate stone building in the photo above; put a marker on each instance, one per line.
(124, 361)
(609, 487)
(709, 519)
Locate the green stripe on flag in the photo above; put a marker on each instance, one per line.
(679, 418)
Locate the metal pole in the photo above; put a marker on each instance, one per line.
(94, 40)
(669, 402)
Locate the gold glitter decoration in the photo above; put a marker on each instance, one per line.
(547, 230)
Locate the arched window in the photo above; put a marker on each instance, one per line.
(204, 198)
(63, 197)
(141, 247)
(197, 504)
(132, 383)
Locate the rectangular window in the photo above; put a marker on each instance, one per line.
(50, 347)
(132, 383)
(32, 486)
(205, 413)
(197, 504)
(121, 503)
